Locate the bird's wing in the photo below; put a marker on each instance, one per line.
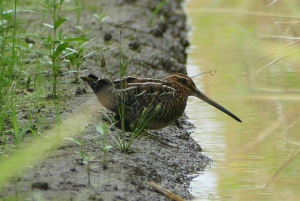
(123, 82)
(139, 97)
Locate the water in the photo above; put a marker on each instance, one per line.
(230, 36)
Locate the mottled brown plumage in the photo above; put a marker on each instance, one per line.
(165, 99)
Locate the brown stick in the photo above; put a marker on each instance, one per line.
(165, 192)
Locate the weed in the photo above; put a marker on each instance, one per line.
(75, 56)
(123, 140)
(123, 69)
(103, 130)
(56, 44)
(156, 10)
(78, 3)
(101, 18)
(10, 50)
(3, 143)
(124, 145)
(84, 157)
(81, 151)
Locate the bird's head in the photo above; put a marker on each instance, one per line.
(95, 83)
(183, 83)
(186, 85)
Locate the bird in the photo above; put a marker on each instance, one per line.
(152, 103)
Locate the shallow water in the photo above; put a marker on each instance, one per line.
(229, 37)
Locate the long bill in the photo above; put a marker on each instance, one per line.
(203, 97)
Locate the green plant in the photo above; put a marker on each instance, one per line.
(122, 68)
(101, 18)
(3, 143)
(103, 130)
(9, 62)
(78, 4)
(81, 151)
(124, 145)
(84, 157)
(75, 56)
(156, 10)
(124, 140)
(17, 133)
(55, 43)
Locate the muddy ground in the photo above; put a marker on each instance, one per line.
(155, 51)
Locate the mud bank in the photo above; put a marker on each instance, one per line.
(151, 51)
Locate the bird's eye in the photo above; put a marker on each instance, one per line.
(183, 81)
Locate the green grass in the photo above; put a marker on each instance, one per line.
(9, 75)
(104, 131)
(74, 57)
(156, 10)
(28, 56)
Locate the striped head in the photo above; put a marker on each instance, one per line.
(182, 83)
(95, 83)
(185, 87)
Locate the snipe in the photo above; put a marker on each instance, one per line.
(165, 99)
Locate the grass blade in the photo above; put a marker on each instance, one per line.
(283, 166)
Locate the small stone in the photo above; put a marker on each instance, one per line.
(49, 96)
(159, 30)
(134, 45)
(40, 185)
(129, 1)
(185, 42)
(156, 33)
(107, 37)
(29, 40)
(80, 91)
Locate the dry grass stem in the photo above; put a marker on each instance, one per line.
(255, 14)
(275, 61)
(291, 22)
(273, 2)
(290, 126)
(283, 166)
(289, 45)
(165, 192)
(281, 37)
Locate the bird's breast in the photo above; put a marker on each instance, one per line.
(107, 97)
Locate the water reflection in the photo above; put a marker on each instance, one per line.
(246, 155)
